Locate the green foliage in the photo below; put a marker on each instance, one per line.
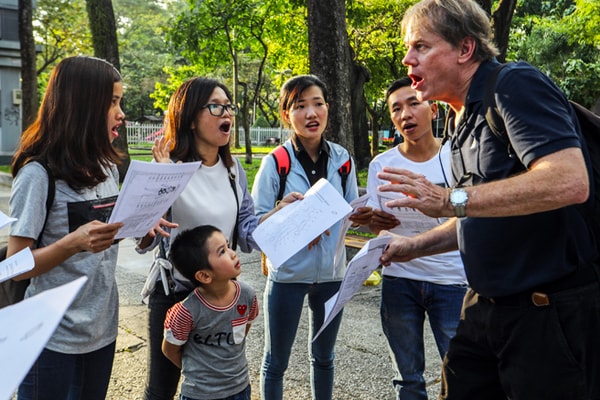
(561, 39)
(140, 25)
(141, 30)
(362, 177)
(59, 34)
(261, 122)
(375, 37)
(265, 39)
(175, 77)
(164, 42)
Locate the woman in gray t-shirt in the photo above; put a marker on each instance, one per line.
(72, 135)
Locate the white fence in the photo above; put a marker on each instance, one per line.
(143, 135)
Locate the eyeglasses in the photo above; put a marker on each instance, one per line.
(217, 110)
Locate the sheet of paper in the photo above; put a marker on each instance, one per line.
(5, 220)
(293, 227)
(149, 189)
(412, 221)
(359, 269)
(345, 224)
(16, 264)
(26, 328)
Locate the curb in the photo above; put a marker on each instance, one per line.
(6, 179)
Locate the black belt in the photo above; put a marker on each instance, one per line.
(540, 296)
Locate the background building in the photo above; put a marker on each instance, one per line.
(10, 84)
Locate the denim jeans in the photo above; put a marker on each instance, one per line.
(404, 303)
(283, 303)
(162, 376)
(245, 394)
(69, 376)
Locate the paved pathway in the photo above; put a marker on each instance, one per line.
(363, 370)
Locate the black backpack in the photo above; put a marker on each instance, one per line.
(12, 292)
(589, 124)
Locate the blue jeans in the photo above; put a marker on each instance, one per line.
(245, 394)
(162, 375)
(404, 303)
(69, 376)
(283, 304)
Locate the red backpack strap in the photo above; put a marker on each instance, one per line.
(344, 171)
(282, 165)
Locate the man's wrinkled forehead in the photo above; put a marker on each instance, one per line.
(420, 34)
(417, 32)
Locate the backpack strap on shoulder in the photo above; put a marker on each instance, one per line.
(282, 164)
(344, 171)
(235, 233)
(492, 116)
(49, 197)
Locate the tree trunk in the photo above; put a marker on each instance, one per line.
(104, 30)
(330, 59)
(501, 19)
(360, 129)
(29, 91)
(234, 94)
(106, 46)
(243, 116)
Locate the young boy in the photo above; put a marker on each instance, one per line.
(205, 333)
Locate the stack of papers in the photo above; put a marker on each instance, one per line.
(359, 269)
(149, 189)
(293, 227)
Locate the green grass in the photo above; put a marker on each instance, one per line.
(367, 235)
(251, 169)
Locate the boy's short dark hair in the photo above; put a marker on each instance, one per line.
(397, 84)
(188, 252)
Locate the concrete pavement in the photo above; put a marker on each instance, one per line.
(363, 369)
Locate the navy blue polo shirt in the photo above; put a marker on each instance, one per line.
(509, 255)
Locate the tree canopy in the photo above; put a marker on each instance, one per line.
(255, 45)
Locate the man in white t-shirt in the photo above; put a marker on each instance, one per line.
(434, 284)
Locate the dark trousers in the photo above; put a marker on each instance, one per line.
(243, 395)
(515, 349)
(69, 376)
(162, 376)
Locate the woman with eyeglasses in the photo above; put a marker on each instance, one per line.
(197, 128)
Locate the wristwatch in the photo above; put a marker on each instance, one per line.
(458, 199)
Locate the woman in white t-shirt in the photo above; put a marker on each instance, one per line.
(197, 128)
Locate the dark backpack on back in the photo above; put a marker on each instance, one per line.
(589, 124)
(282, 164)
(12, 292)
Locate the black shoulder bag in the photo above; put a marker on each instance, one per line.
(11, 291)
